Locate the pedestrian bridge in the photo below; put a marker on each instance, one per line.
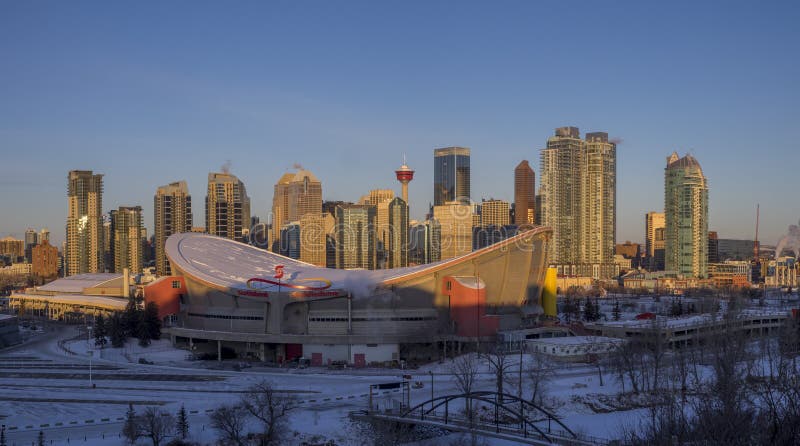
(509, 418)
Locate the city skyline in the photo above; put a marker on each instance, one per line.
(118, 114)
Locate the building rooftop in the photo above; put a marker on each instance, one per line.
(79, 282)
(229, 264)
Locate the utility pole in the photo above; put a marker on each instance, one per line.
(431, 372)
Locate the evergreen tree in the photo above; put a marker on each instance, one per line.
(152, 320)
(3, 436)
(100, 331)
(40, 439)
(588, 310)
(116, 330)
(130, 318)
(130, 429)
(143, 331)
(183, 423)
(616, 311)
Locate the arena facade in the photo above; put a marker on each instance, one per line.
(231, 299)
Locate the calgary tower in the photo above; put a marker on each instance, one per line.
(404, 176)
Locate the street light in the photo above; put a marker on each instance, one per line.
(91, 353)
(431, 373)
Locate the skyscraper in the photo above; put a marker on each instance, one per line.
(355, 236)
(377, 196)
(686, 215)
(128, 239)
(227, 207)
(451, 175)
(598, 199)
(396, 241)
(524, 194)
(578, 196)
(84, 223)
(654, 240)
(31, 237)
(296, 194)
(173, 215)
(560, 188)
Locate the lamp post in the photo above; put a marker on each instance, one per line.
(91, 353)
(431, 373)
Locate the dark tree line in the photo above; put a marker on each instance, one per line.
(134, 322)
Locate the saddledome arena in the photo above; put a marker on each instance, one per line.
(223, 300)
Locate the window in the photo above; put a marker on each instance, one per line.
(176, 284)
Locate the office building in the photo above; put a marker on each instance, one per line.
(295, 195)
(686, 217)
(733, 249)
(355, 237)
(628, 249)
(45, 261)
(313, 233)
(455, 223)
(31, 240)
(713, 247)
(128, 239)
(396, 237)
(85, 240)
(172, 215)
(654, 240)
(376, 197)
(227, 207)
(524, 194)
(451, 175)
(425, 239)
(494, 213)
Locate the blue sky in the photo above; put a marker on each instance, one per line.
(153, 92)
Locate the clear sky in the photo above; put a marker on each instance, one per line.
(153, 92)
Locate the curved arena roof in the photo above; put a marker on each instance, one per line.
(225, 264)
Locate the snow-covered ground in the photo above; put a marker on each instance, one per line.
(44, 385)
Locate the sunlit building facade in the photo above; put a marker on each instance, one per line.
(84, 223)
(686, 217)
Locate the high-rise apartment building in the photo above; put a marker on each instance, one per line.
(355, 237)
(686, 217)
(598, 199)
(455, 221)
(524, 194)
(84, 223)
(128, 239)
(560, 189)
(227, 207)
(296, 194)
(172, 215)
(44, 235)
(13, 248)
(494, 213)
(578, 196)
(451, 175)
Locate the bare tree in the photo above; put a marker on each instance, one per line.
(465, 372)
(500, 363)
(270, 408)
(229, 421)
(539, 374)
(156, 425)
